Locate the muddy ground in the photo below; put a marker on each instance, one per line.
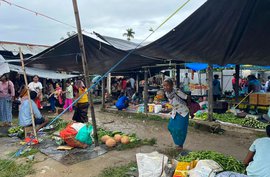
(235, 144)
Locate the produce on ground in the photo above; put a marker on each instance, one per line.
(250, 122)
(117, 138)
(125, 141)
(105, 138)
(110, 142)
(16, 129)
(228, 163)
(228, 117)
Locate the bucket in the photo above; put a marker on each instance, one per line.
(151, 107)
(158, 108)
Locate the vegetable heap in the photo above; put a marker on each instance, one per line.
(122, 141)
(14, 130)
(228, 117)
(250, 122)
(228, 163)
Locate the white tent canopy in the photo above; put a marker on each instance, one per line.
(6, 67)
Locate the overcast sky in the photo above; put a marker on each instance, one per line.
(107, 17)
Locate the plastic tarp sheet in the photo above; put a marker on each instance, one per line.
(4, 68)
(40, 72)
(219, 32)
(203, 66)
(65, 56)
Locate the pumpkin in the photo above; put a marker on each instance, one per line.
(110, 142)
(105, 138)
(117, 138)
(125, 140)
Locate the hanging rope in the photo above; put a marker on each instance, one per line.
(43, 15)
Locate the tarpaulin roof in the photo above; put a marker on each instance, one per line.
(219, 32)
(203, 66)
(6, 67)
(119, 43)
(65, 56)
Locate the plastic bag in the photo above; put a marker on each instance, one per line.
(68, 135)
(205, 168)
(151, 164)
(84, 135)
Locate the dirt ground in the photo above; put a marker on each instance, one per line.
(235, 145)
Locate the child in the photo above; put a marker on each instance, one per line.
(69, 96)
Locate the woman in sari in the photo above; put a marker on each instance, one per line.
(178, 124)
(81, 108)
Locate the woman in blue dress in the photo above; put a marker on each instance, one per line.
(178, 124)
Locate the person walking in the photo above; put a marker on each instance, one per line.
(7, 93)
(178, 124)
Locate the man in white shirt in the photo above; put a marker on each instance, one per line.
(186, 82)
(37, 87)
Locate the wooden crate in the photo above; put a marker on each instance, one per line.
(253, 98)
(264, 99)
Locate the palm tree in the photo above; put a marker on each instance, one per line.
(129, 33)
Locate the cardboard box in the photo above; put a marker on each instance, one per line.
(264, 99)
(253, 98)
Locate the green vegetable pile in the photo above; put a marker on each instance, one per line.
(201, 116)
(250, 122)
(228, 163)
(14, 130)
(229, 117)
(133, 139)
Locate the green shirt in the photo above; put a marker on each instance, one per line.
(69, 93)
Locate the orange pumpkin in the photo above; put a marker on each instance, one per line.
(105, 138)
(125, 140)
(117, 138)
(110, 142)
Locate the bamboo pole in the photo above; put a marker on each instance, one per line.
(85, 70)
(103, 92)
(145, 90)
(210, 93)
(28, 93)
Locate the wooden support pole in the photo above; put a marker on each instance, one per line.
(177, 76)
(210, 93)
(237, 73)
(109, 84)
(28, 93)
(85, 69)
(103, 92)
(145, 90)
(137, 82)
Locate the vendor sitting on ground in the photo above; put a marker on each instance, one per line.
(257, 159)
(135, 99)
(25, 118)
(122, 102)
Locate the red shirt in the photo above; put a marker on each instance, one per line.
(124, 84)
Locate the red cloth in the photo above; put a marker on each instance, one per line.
(68, 135)
(37, 101)
(124, 84)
